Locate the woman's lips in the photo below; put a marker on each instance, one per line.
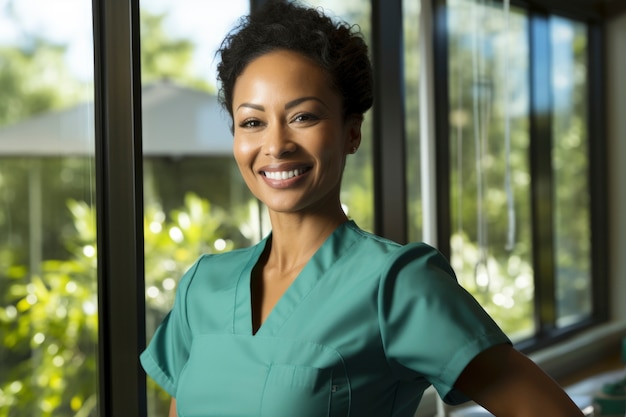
(283, 177)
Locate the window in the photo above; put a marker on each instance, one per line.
(491, 240)
(519, 165)
(570, 163)
(48, 257)
(415, 48)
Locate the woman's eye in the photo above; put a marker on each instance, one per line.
(250, 123)
(304, 117)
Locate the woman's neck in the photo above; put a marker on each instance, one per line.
(295, 238)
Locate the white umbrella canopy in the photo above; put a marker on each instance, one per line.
(176, 121)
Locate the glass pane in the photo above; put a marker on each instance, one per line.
(570, 167)
(411, 15)
(490, 195)
(195, 200)
(48, 272)
(357, 192)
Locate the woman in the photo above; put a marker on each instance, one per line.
(322, 318)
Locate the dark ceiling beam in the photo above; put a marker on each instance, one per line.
(578, 9)
(611, 8)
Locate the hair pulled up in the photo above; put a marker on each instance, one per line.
(336, 47)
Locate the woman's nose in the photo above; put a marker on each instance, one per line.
(278, 142)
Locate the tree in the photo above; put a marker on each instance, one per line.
(35, 79)
(165, 58)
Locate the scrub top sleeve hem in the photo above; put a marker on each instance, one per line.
(156, 373)
(444, 383)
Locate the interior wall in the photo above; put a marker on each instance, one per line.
(616, 91)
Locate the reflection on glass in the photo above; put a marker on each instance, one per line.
(357, 191)
(490, 197)
(411, 15)
(195, 201)
(48, 294)
(570, 169)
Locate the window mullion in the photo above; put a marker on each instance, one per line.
(542, 204)
(598, 174)
(389, 120)
(442, 124)
(121, 310)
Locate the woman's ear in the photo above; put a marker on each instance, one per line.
(353, 133)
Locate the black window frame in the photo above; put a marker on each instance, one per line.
(119, 208)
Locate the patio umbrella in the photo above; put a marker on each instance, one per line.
(176, 121)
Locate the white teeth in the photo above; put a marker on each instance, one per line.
(283, 175)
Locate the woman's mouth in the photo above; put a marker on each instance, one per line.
(285, 175)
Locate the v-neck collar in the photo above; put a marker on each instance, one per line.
(315, 269)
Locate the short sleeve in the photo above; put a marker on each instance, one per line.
(168, 350)
(431, 327)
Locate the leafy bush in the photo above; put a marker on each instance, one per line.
(49, 321)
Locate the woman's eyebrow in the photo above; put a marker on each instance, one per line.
(252, 106)
(289, 105)
(297, 101)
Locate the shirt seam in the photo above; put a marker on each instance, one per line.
(473, 348)
(193, 274)
(251, 256)
(161, 376)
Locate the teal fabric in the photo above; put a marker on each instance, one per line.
(365, 328)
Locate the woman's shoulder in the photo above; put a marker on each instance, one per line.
(229, 256)
(368, 239)
(223, 266)
(393, 251)
(392, 263)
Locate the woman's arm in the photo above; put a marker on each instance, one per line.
(173, 408)
(508, 384)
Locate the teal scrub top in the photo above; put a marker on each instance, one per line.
(364, 329)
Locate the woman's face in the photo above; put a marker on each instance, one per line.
(290, 136)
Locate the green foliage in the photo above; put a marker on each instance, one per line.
(173, 242)
(49, 327)
(357, 196)
(165, 58)
(503, 286)
(36, 79)
(49, 322)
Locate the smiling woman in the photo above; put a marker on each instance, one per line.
(295, 124)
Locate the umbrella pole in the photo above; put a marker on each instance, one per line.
(35, 216)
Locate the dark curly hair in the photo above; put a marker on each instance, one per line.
(337, 47)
